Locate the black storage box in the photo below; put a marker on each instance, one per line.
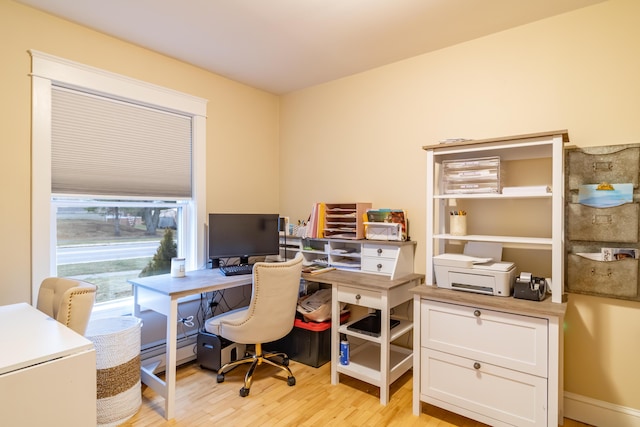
(308, 342)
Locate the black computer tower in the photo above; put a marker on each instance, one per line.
(214, 351)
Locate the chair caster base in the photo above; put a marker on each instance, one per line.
(291, 381)
(220, 378)
(244, 392)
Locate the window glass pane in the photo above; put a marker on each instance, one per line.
(107, 245)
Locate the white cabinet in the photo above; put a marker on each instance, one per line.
(47, 371)
(495, 359)
(523, 220)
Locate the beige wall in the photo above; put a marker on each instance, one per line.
(360, 139)
(240, 120)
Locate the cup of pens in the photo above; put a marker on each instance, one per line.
(458, 223)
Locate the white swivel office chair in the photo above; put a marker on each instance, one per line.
(268, 317)
(68, 301)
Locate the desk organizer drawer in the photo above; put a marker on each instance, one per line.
(503, 339)
(615, 224)
(612, 164)
(378, 265)
(357, 296)
(379, 251)
(608, 278)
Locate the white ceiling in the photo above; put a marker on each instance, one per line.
(284, 45)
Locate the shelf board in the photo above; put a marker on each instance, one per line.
(511, 241)
(492, 196)
(346, 254)
(311, 251)
(395, 333)
(364, 363)
(404, 327)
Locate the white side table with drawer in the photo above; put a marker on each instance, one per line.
(374, 360)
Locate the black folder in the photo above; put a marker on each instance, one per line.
(370, 325)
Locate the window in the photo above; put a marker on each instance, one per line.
(109, 242)
(116, 163)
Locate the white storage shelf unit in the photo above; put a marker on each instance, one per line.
(545, 234)
(495, 359)
(387, 258)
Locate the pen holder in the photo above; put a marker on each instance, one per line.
(458, 225)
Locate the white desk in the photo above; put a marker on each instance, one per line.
(161, 294)
(47, 371)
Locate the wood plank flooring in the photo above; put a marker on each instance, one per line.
(313, 401)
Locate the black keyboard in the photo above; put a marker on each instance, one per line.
(236, 270)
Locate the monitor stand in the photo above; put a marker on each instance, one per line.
(244, 260)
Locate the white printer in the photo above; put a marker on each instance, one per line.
(474, 274)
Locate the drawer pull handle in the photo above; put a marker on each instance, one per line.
(476, 365)
(477, 313)
(379, 251)
(379, 266)
(358, 297)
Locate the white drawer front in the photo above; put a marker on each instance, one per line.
(509, 396)
(503, 339)
(379, 251)
(377, 265)
(363, 297)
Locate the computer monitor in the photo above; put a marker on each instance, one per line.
(243, 236)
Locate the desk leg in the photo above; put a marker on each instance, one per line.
(384, 351)
(335, 335)
(136, 304)
(170, 368)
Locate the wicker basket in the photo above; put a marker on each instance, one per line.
(117, 344)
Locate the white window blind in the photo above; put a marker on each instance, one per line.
(106, 147)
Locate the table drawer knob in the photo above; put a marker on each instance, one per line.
(476, 365)
(477, 313)
(358, 297)
(379, 251)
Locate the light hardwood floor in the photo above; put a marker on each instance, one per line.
(313, 401)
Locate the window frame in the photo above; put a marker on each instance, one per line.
(47, 70)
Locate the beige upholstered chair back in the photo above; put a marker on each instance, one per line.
(272, 309)
(68, 301)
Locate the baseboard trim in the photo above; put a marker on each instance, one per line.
(599, 413)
